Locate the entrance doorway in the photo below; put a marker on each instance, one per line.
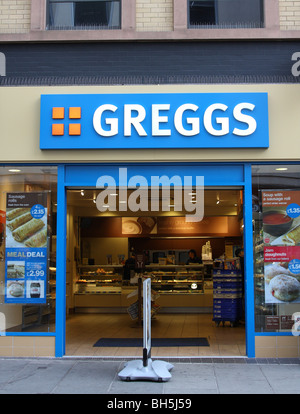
(102, 292)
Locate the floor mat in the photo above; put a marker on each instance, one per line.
(155, 342)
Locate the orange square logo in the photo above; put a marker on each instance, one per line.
(74, 129)
(58, 113)
(57, 129)
(75, 113)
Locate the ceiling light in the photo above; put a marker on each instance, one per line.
(114, 194)
(82, 192)
(218, 202)
(14, 170)
(281, 169)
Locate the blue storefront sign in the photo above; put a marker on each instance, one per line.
(132, 121)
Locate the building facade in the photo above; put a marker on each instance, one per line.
(154, 88)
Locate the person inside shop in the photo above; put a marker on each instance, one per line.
(240, 254)
(129, 266)
(193, 258)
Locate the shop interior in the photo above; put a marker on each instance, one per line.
(103, 297)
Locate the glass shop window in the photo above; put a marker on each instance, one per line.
(225, 14)
(84, 15)
(28, 198)
(276, 240)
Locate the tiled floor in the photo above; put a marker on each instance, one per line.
(83, 330)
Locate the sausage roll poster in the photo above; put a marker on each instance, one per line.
(281, 238)
(26, 248)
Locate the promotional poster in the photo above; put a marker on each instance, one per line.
(26, 248)
(281, 237)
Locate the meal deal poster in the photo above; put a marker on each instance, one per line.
(281, 238)
(26, 248)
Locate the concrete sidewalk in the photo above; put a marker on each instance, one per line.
(100, 376)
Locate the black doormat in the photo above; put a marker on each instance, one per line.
(155, 342)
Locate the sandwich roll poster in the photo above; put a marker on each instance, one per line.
(281, 238)
(26, 248)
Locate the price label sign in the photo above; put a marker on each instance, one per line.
(37, 211)
(294, 266)
(293, 210)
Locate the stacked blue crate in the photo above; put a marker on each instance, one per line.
(227, 293)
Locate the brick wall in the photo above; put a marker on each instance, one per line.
(289, 14)
(154, 15)
(15, 16)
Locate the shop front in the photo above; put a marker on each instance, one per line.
(103, 176)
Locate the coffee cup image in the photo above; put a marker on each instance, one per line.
(131, 227)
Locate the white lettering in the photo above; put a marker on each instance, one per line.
(194, 122)
(296, 66)
(224, 122)
(113, 122)
(157, 119)
(165, 183)
(247, 119)
(138, 199)
(105, 201)
(187, 126)
(2, 64)
(135, 121)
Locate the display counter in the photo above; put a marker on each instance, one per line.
(100, 287)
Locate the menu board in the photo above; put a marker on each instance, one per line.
(26, 248)
(281, 237)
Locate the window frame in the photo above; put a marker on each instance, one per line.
(217, 25)
(75, 27)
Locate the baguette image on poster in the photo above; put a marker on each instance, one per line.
(15, 212)
(38, 240)
(28, 229)
(292, 238)
(19, 220)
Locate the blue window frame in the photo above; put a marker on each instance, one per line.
(214, 175)
(221, 175)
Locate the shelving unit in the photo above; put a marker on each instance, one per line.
(228, 291)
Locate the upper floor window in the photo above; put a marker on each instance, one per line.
(225, 14)
(83, 14)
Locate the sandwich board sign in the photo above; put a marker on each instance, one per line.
(146, 369)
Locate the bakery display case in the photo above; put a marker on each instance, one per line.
(176, 278)
(101, 287)
(99, 279)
